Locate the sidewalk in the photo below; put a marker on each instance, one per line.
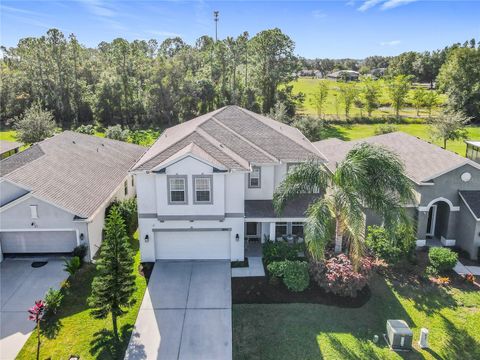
(464, 270)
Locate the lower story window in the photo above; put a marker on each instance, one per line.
(297, 229)
(251, 229)
(280, 229)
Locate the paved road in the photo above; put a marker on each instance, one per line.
(185, 313)
(20, 286)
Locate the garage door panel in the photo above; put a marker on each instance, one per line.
(38, 242)
(187, 245)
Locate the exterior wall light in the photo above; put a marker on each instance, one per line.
(237, 237)
(147, 238)
(82, 236)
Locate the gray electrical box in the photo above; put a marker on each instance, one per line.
(399, 335)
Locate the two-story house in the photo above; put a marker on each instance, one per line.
(207, 184)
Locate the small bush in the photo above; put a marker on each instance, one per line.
(72, 265)
(80, 251)
(430, 271)
(385, 129)
(128, 212)
(116, 132)
(391, 248)
(86, 129)
(442, 259)
(53, 300)
(293, 273)
(336, 275)
(278, 251)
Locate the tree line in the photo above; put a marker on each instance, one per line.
(145, 84)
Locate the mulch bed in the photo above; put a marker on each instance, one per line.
(239, 264)
(258, 290)
(145, 269)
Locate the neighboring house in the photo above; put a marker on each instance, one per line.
(207, 184)
(473, 150)
(8, 148)
(53, 195)
(447, 188)
(344, 75)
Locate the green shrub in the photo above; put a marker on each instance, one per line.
(116, 132)
(385, 129)
(278, 251)
(442, 259)
(80, 251)
(72, 265)
(86, 129)
(391, 247)
(293, 273)
(128, 212)
(53, 300)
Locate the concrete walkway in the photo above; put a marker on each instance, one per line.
(21, 285)
(185, 313)
(255, 268)
(463, 270)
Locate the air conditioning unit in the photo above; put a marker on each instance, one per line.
(399, 335)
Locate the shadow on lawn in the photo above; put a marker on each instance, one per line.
(105, 346)
(459, 344)
(331, 131)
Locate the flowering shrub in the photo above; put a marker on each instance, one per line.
(443, 281)
(470, 278)
(293, 273)
(336, 275)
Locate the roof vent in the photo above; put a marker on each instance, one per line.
(73, 141)
(103, 144)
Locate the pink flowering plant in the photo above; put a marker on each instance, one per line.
(36, 314)
(337, 274)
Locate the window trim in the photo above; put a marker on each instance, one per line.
(195, 201)
(34, 211)
(185, 179)
(259, 178)
(125, 187)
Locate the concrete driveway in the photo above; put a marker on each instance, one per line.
(185, 313)
(21, 285)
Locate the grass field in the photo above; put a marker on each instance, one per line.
(312, 331)
(358, 131)
(76, 332)
(309, 86)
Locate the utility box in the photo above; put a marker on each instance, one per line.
(423, 341)
(399, 335)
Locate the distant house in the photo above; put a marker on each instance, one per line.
(473, 150)
(446, 186)
(53, 195)
(8, 148)
(344, 75)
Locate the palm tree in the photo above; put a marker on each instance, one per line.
(370, 177)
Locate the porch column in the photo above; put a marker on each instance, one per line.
(422, 219)
(272, 231)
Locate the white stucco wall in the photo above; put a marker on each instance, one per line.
(9, 192)
(265, 192)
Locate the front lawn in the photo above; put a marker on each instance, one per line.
(76, 332)
(312, 331)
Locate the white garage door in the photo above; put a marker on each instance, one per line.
(38, 242)
(192, 245)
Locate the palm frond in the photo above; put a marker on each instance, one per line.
(319, 227)
(306, 178)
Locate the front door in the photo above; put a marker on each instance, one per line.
(251, 230)
(432, 217)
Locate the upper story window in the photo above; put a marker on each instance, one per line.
(34, 211)
(125, 187)
(177, 189)
(202, 188)
(255, 177)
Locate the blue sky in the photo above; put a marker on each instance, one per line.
(336, 29)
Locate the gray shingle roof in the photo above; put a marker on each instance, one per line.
(8, 145)
(423, 161)
(74, 171)
(235, 137)
(472, 199)
(294, 208)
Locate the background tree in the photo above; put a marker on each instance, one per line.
(459, 78)
(35, 125)
(398, 88)
(370, 93)
(113, 287)
(279, 113)
(418, 98)
(348, 93)
(370, 177)
(320, 97)
(403, 64)
(430, 100)
(311, 127)
(449, 126)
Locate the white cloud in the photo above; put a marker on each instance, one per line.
(318, 14)
(163, 33)
(390, 43)
(390, 4)
(99, 8)
(367, 4)
(384, 4)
